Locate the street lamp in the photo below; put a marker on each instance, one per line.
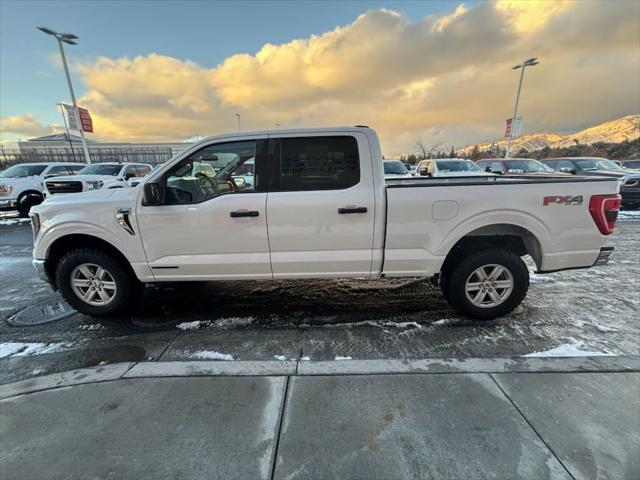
(527, 63)
(70, 39)
(239, 124)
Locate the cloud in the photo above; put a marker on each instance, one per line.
(26, 126)
(446, 78)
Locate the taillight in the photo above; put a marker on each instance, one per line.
(604, 210)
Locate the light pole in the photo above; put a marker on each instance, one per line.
(527, 63)
(239, 124)
(70, 39)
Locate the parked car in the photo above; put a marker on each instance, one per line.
(599, 167)
(320, 208)
(395, 169)
(630, 164)
(449, 167)
(630, 191)
(96, 176)
(21, 185)
(589, 166)
(514, 166)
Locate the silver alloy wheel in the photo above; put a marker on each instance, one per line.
(489, 286)
(93, 284)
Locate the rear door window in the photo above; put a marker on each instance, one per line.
(314, 163)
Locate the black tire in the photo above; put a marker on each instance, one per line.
(456, 288)
(26, 201)
(128, 288)
(445, 278)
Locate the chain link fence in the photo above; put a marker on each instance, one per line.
(153, 156)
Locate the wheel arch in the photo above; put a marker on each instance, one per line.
(67, 243)
(30, 191)
(509, 236)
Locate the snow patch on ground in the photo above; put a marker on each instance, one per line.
(537, 278)
(280, 358)
(233, 322)
(343, 358)
(571, 349)
(305, 359)
(402, 324)
(605, 329)
(443, 322)
(14, 221)
(17, 349)
(211, 355)
(195, 325)
(95, 326)
(628, 214)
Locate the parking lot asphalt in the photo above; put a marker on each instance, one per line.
(581, 312)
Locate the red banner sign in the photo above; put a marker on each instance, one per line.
(85, 120)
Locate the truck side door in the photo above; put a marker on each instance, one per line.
(320, 205)
(209, 227)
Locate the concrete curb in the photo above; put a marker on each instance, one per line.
(212, 368)
(132, 370)
(97, 374)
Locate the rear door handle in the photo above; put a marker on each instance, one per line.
(344, 210)
(244, 213)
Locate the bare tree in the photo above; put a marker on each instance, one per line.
(423, 150)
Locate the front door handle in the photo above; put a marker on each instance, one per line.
(344, 210)
(244, 213)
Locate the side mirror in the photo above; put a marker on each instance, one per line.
(488, 169)
(424, 171)
(153, 194)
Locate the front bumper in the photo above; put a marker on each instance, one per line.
(8, 203)
(41, 270)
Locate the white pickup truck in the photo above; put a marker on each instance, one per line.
(319, 208)
(99, 175)
(21, 186)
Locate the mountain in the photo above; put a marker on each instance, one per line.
(613, 131)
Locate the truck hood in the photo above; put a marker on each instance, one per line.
(16, 182)
(121, 196)
(82, 178)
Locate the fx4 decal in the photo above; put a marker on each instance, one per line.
(563, 200)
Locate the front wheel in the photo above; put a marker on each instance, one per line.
(488, 284)
(95, 283)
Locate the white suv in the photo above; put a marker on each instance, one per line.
(96, 176)
(21, 185)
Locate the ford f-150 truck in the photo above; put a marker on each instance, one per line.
(319, 207)
(99, 175)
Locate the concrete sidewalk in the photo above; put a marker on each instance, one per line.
(441, 419)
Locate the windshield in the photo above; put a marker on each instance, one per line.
(609, 165)
(100, 169)
(21, 171)
(526, 166)
(395, 167)
(596, 164)
(457, 166)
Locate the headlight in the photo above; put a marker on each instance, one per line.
(5, 189)
(94, 185)
(35, 224)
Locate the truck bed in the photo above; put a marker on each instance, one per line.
(489, 180)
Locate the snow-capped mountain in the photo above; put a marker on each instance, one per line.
(614, 131)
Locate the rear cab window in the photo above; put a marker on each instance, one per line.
(314, 163)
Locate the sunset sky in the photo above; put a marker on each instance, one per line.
(166, 71)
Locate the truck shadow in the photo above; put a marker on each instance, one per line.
(287, 302)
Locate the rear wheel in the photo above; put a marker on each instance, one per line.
(95, 283)
(488, 284)
(26, 201)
